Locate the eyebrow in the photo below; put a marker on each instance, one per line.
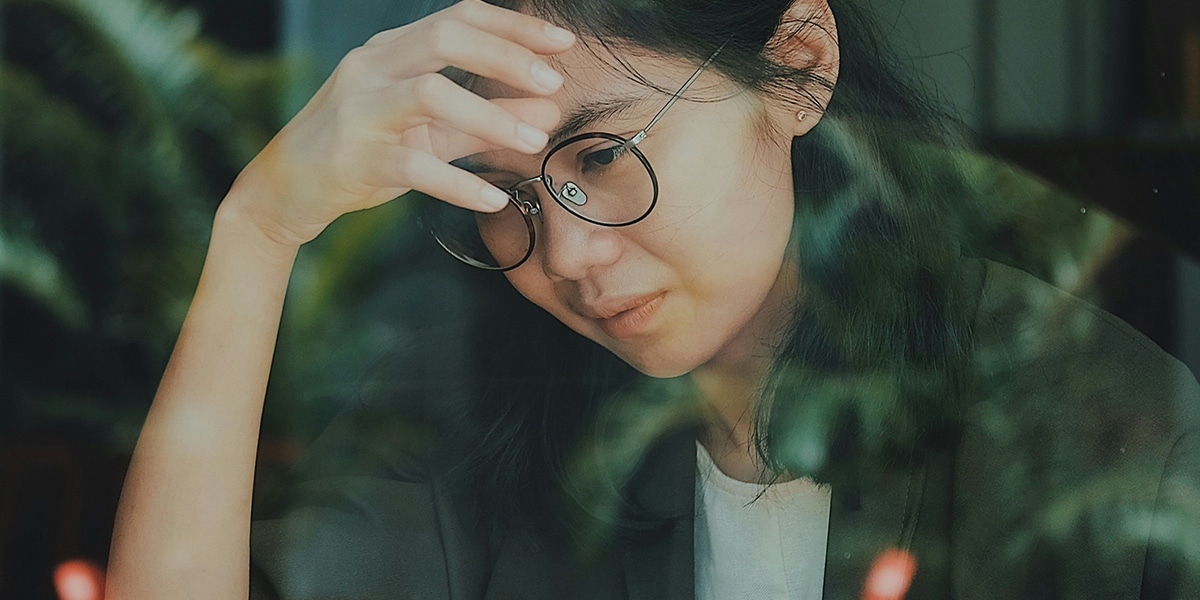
(577, 119)
(588, 113)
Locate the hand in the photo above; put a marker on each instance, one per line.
(386, 121)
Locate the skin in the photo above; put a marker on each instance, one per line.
(717, 243)
(386, 122)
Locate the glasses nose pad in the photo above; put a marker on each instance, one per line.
(573, 193)
(569, 191)
(528, 201)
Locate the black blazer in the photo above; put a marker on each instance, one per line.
(1077, 475)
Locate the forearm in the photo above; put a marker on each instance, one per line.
(183, 524)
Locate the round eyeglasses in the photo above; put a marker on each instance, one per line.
(601, 178)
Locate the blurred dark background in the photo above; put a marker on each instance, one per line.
(124, 122)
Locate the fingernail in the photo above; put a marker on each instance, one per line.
(531, 136)
(547, 78)
(558, 34)
(493, 198)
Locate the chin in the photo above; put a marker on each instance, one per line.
(660, 371)
(659, 362)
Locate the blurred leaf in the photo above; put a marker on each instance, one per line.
(123, 127)
(34, 272)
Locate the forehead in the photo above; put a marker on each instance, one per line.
(603, 83)
(611, 79)
(592, 69)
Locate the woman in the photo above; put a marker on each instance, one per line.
(746, 206)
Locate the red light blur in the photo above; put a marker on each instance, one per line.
(79, 580)
(890, 575)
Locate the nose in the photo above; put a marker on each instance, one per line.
(569, 247)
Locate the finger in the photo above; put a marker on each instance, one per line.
(433, 97)
(539, 112)
(540, 36)
(448, 143)
(402, 167)
(450, 42)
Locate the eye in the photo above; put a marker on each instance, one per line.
(602, 156)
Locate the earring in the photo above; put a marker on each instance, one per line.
(800, 115)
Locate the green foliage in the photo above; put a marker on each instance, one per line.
(122, 129)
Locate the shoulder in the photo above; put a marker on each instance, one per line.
(1031, 335)
(1079, 425)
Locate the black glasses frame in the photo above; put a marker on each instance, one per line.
(533, 206)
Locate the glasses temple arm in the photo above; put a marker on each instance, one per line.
(683, 88)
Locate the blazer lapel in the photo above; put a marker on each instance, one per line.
(908, 508)
(885, 515)
(661, 567)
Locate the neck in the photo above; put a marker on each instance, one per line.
(731, 383)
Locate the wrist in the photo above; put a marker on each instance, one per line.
(233, 221)
(263, 196)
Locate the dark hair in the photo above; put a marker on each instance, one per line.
(876, 364)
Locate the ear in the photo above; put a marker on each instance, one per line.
(806, 39)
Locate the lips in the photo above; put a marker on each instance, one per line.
(609, 308)
(625, 317)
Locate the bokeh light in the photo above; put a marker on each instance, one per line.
(79, 579)
(890, 576)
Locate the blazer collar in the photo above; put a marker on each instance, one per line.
(862, 525)
(663, 567)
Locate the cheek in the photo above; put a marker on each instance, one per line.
(742, 251)
(729, 215)
(726, 240)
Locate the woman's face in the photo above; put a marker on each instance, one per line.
(703, 276)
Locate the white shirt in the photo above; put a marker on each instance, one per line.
(772, 547)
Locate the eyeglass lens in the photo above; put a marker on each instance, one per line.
(596, 176)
